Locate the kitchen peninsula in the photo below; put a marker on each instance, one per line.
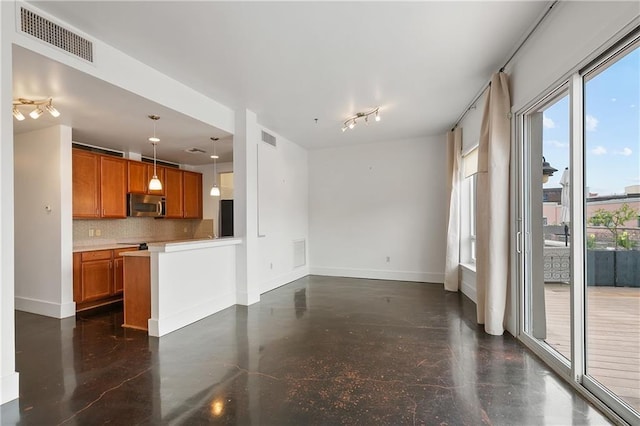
(189, 280)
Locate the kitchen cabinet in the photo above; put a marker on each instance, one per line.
(138, 176)
(97, 277)
(137, 292)
(86, 184)
(192, 195)
(113, 187)
(99, 186)
(96, 269)
(118, 269)
(174, 192)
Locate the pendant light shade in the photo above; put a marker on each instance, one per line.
(215, 191)
(154, 183)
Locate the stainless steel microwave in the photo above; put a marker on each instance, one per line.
(146, 205)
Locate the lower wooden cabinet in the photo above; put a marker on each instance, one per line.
(97, 277)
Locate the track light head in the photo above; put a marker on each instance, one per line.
(50, 108)
(17, 114)
(36, 113)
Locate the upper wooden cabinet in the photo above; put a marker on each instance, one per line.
(173, 188)
(86, 184)
(192, 195)
(138, 176)
(99, 186)
(113, 187)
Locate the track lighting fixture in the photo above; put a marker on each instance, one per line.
(154, 183)
(37, 111)
(351, 122)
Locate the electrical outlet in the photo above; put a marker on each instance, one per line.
(98, 232)
(185, 229)
(388, 259)
(271, 265)
(91, 232)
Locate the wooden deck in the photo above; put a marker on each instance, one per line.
(613, 335)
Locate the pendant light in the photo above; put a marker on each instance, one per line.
(154, 183)
(215, 191)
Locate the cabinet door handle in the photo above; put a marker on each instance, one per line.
(110, 264)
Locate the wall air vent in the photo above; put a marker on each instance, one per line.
(160, 163)
(49, 32)
(97, 150)
(299, 253)
(195, 151)
(270, 139)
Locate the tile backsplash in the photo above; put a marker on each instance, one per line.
(146, 228)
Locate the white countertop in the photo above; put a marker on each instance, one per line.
(106, 246)
(139, 253)
(193, 244)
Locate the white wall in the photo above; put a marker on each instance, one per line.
(370, 202)
(8, 375)
(43, 248)
(283, 211)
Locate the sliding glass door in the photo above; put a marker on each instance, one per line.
(579, 238)
(612, 229)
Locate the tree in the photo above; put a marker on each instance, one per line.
(612, 220)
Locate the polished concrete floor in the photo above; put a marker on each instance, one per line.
(319, 351)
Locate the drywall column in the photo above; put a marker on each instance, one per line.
(43, 222)
(245, 215)
(8, 375)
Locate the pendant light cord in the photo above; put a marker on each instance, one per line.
(155, 174)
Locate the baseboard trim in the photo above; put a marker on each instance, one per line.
(159, 327)
(283, 279)
(9, 387)
(46, 308)
(422, 277)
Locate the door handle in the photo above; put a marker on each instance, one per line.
(519, 242)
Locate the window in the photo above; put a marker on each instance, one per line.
(472, 216)
(470, 168)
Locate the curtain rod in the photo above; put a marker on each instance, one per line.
(515, 52)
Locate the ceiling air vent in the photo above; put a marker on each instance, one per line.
(49, 32)
(195, 151)
(270, 139)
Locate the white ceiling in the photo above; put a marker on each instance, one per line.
(290, 62)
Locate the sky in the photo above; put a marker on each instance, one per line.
(612, 124)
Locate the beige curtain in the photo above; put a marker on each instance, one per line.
(492, 234)
(452, 260)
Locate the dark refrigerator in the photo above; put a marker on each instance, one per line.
(226, 218)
